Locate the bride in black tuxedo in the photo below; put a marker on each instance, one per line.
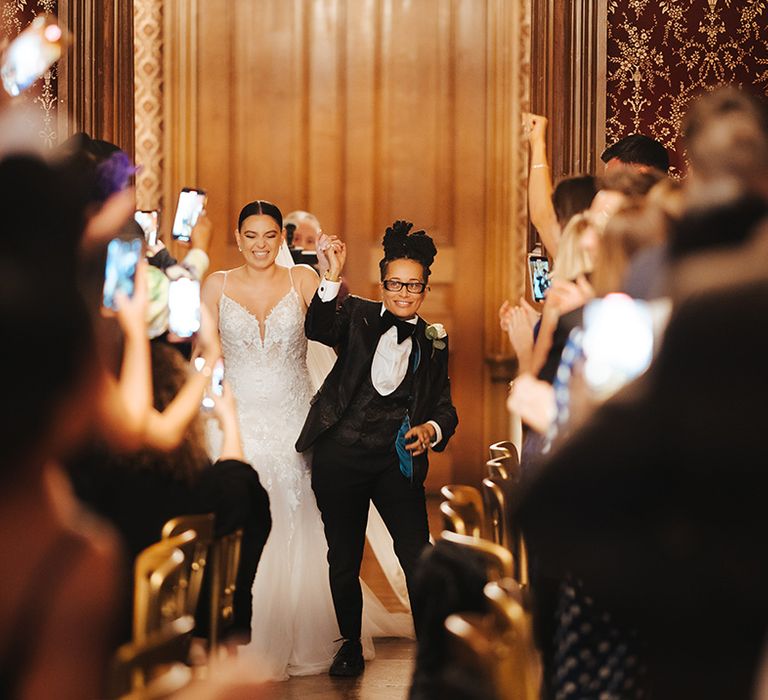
(385, 403)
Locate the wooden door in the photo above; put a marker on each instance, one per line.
(362, 112)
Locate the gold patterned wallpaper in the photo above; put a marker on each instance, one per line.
(662, 53)
(15, 16)
(148, 101)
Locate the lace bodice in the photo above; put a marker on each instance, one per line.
(269, 377)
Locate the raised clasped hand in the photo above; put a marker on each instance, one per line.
(334, 251)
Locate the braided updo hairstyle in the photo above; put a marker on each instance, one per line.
(400, 243)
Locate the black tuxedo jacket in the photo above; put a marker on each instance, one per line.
(354, 330)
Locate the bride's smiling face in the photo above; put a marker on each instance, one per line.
(259, 240)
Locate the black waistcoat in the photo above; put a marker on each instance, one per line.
(371, 421)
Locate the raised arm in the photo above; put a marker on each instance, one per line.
(540, 207)
(326, 323)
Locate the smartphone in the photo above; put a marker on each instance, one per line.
(618, 342)
(190, 206)
(217, 378)
(120, 271)
(184, 307)
(148, 219)
(31, 54)
(538, 271)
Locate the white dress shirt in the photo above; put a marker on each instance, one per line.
(390, 361)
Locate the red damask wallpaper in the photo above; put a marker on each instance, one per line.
(15, 16)
(662, 53)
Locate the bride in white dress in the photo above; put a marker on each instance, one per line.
(259, 309)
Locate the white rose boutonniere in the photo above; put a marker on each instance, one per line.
(436, 333)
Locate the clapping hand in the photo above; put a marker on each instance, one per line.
(534, 401)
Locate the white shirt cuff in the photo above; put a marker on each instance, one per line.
(438, 433)
(328, 291)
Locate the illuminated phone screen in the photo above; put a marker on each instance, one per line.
(120, 271)
(184, 307)
(191, 204)
(31, 54)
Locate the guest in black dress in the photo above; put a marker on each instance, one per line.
(140, 492)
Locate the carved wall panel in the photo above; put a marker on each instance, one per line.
(148, 106)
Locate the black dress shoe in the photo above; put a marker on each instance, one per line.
(348, 661)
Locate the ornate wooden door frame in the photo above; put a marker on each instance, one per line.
(96, 74)
(568, 80)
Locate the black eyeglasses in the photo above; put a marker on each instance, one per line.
(397, 285)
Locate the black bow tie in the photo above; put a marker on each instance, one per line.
(404, 329)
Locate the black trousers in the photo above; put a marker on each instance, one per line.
(345, 480)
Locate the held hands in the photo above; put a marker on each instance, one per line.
(331, 256)
(423, 436)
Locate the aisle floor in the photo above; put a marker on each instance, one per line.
(388, 676)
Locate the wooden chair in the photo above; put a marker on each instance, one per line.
(225, 561)
(504, 449)
(496, 510)
(498, 647)
(156, 667)
(196, 555)
(503, 468)
(157, 574)
(519, 673)
(462, 510)
(499, 560)
(496, 502)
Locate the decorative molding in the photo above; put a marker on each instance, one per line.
(505, 236)
(507, 98)
(149, 105)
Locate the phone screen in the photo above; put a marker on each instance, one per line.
(148, 220)
(31, 53)
(538, 269)
(618, 342)
(191, 204)
(217, 378)
(120, 271)
(184, 307)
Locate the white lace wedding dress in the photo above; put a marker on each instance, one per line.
(294, 624)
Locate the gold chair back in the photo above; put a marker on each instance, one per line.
(462, 510)
(196, 555)
(499, 560)
(504, 449)
(155, 667)
(157, 574)
(225, 562)
(497, 511)
(499, 523)
(519, 670)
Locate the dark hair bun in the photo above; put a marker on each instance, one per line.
(400, 243)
